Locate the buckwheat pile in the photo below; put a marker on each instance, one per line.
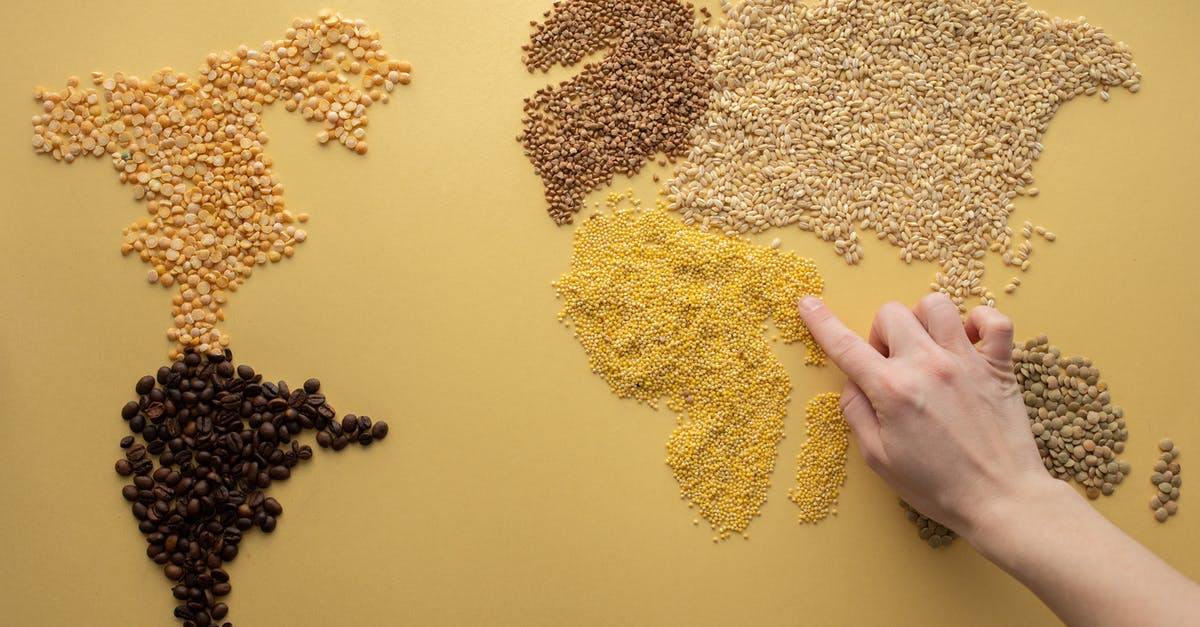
(642, 99)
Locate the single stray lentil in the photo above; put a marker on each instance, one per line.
(666, 311)
(193, 150)
(821, 465)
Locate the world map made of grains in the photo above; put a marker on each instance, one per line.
(918, 120)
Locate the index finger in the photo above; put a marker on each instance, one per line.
(855, 357)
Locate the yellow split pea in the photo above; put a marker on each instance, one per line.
(666, 311)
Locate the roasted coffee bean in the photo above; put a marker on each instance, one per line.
(272, 506)
(379, 430)
(130, 493)
(144, 385)
(324, 439)
(129, 410)
(135, 452)
(365, 438)
(127, 441)
(349, 424)
(124, 467)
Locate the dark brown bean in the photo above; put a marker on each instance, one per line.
(144, 385)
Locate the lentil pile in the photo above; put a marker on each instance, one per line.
(1167, 480)
(919, 120)
(821, 465)
(193, 150)
(1078, 431)
(642, 99)
(928, 529)
(666, 311)
(221, 435)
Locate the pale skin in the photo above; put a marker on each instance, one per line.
(936, 411)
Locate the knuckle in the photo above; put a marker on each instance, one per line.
(893, 308)
(842, 347)
(941, 368)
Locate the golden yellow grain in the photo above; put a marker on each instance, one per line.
(821, 465)
(666, 311)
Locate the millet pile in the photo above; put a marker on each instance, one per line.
(193, 150)
(918, 120)
(821, 465)
(209, 439)
(640, 100)
(666, 311)
(1078, 431)
(1167, 479)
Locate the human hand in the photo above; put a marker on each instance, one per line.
(935, 407)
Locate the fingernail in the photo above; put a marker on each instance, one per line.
(809, 303)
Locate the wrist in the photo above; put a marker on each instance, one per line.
(1010, 518)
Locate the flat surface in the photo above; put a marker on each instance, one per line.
(515, 489)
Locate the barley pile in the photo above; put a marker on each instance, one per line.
(917, 120)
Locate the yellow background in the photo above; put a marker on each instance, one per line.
(514, 488)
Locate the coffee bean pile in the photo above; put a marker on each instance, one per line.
(617, 113)
(930, 530)
(1167, 479)
(1077, 429)
(220, 435)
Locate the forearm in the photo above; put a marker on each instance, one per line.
(1081, 565)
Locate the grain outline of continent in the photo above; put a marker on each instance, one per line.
(193, 149)
(666, 311)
